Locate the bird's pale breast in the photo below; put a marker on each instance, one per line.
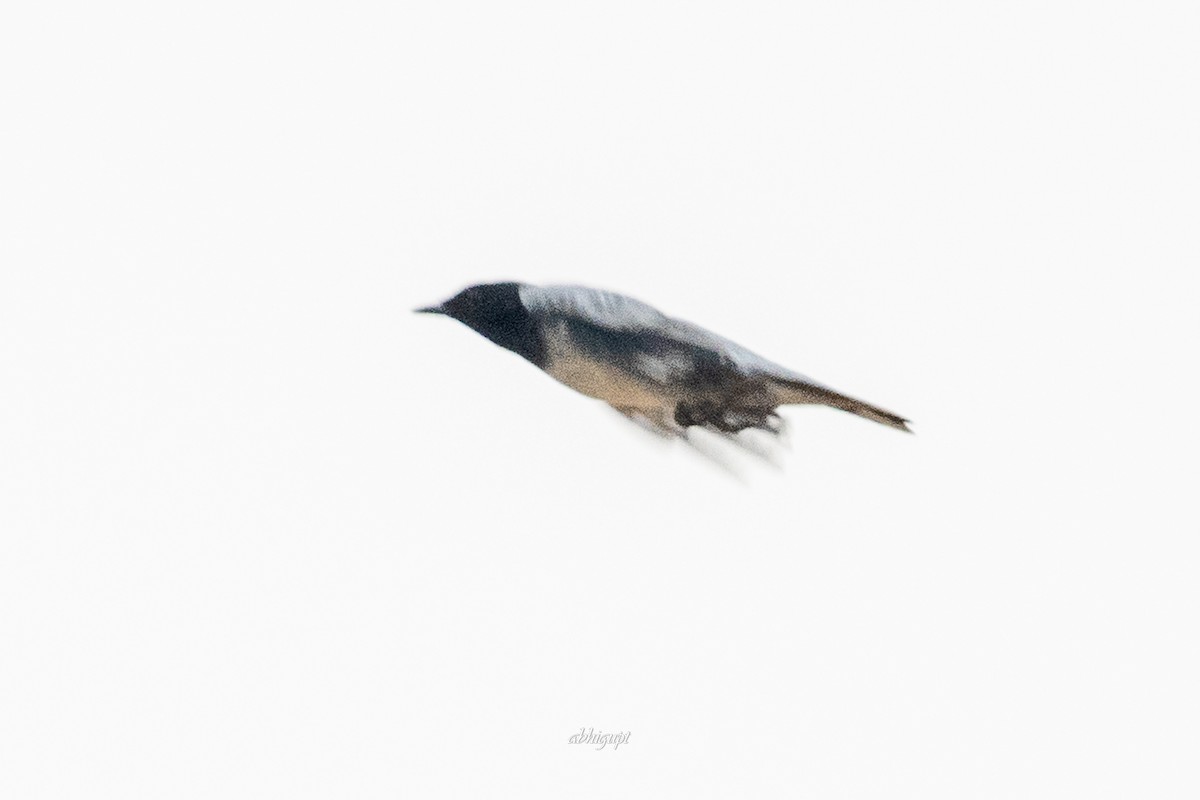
(570, 362)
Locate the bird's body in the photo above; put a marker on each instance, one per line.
(666, 373)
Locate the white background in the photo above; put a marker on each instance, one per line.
(265, 533)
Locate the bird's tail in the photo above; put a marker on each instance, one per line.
(798, 392)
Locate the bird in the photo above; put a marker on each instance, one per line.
(665, 374)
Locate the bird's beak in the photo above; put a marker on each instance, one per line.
(430, 310)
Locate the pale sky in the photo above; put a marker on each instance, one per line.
(266, 533)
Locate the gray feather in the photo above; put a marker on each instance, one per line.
(671, 346)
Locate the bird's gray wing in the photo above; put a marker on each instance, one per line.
(655, 346)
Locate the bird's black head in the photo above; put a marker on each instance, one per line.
(495, 310)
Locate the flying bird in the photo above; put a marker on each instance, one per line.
(664, 373)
